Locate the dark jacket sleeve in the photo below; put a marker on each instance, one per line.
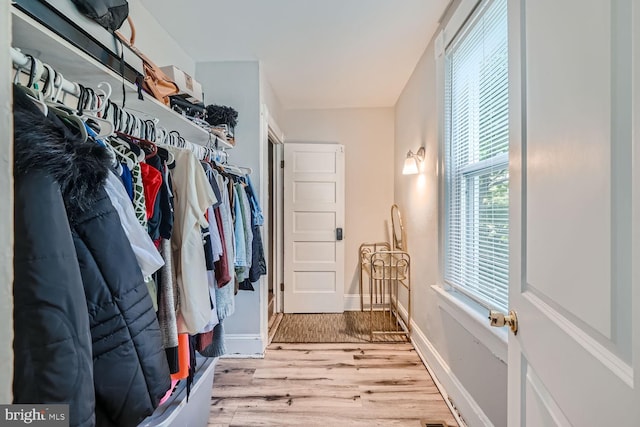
(52, 342)
(130, 367)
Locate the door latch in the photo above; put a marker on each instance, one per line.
(498, 320)
(339, 233)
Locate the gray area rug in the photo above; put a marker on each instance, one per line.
(350, 326)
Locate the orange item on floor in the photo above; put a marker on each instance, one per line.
(183, 358)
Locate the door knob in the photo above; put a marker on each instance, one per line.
(499, 320)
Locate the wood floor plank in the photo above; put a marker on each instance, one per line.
(346, 347)
(222, 415)
(285, 395)
(233, 375)
(327, 384)
(346, 363)
(251, 417)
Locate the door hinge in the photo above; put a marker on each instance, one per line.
(281, 164)
(281, 287)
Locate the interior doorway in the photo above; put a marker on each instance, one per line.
(275, 261)
(272, 303)
(314, 212)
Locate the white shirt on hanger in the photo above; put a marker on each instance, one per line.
(148, 257)
(192, 197)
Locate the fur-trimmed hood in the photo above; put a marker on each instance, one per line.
(43, 143)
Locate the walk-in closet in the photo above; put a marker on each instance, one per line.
(224, 213)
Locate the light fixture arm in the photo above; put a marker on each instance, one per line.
(418, 155)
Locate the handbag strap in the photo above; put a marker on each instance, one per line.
(132, 38)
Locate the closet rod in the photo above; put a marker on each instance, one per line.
(22, 61)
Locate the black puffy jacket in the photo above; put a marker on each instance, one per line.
(130, 367)
(52, 343)
(130, 372)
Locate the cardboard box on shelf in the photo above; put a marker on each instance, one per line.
(187, 84)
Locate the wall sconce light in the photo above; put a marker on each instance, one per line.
(412, 162)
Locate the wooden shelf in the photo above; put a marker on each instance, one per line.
(34, 39)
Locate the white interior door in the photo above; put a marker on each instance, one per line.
(575, 246)
(313, 214)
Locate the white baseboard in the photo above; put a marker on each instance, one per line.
(244, 346)
(462, 404)
(352, 301)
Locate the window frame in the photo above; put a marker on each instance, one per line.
(446, 41)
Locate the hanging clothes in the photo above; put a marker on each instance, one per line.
(133, 160)
(241, 262)
(152, 181)
(127, 180)
(225, 302)
(222, 265)
(213, 320)
(167, 307)
(154, 220)
(243, 221)
(219, 244)
(192, 197)
(165, 228)
(256, 210)
(216, 240)
(246, 221)
(130, 374)
(228, 235)
(207, 246)
(258, 263)
(149, 259)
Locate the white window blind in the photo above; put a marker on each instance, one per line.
(476, 158)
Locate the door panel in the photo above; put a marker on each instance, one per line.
(314, 209)
(574, 360)
(314, 162)
(569, 156)
(314, 252)
(313, 221)
(541, 408)
(314, 282)
(318, 192)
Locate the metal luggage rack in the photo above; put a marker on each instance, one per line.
(389, 274)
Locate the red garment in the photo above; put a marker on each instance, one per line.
(204, 340)
(221, 266)
(152, 181)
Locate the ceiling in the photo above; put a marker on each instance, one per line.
(315, 53)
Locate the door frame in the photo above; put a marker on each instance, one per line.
(6, 208)
(271, 133)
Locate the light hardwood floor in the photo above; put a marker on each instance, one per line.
(332, 385)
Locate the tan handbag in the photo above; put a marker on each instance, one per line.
(155, 81)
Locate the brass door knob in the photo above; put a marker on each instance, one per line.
(498, 320)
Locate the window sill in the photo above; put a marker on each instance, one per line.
(473, 317)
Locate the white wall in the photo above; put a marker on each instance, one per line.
(237, 84)
(153, 40)
(270, 99)
(6, 209)
(471, 369)
(367, 135)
